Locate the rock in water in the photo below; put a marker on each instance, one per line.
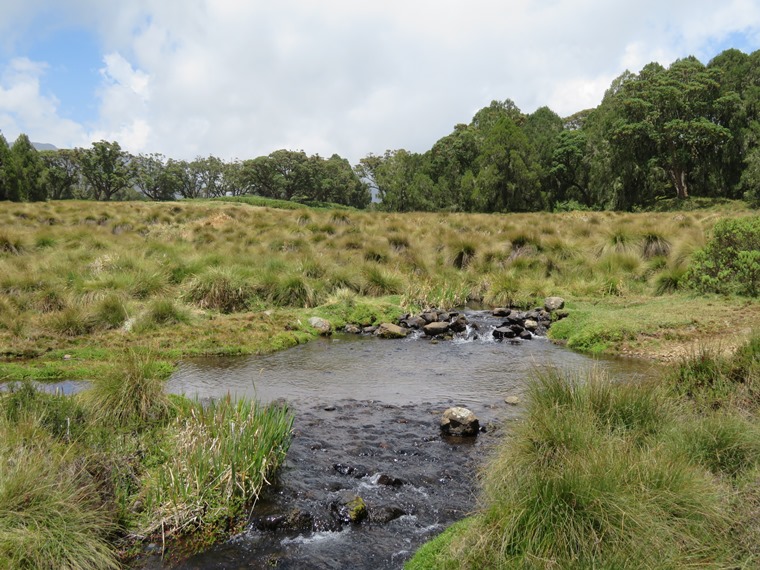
(436, 328)
(389, 330)
(323, 327)
(459, 421)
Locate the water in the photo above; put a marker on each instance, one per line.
(367, 424)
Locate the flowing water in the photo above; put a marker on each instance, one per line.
(367, 417)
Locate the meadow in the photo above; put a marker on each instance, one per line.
(118, 293)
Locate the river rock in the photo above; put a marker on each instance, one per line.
(525, 335)
(323, 326)
(430, 316)
(436, 328)
(388, 480)
(386, 513)
(459, 421)
(500, 333)
(512, 400)
(531, 325)
(389, 330)
(413, 322)
(350, 510)
(353, 329)
(552, 304)
(501, 312)
(459, 325)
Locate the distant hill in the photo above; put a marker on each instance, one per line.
(44, 146)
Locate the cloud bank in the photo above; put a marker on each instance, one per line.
(241, 78)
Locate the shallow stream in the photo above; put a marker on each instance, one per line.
(367, 417)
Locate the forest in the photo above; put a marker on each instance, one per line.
(663, 133)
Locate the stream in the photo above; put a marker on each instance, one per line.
(367, 415)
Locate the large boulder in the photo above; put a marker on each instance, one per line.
(436, 328)
(389, 330)
(552, 304)
(459, 421)
(323, 326)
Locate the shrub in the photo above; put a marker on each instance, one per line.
(730, 262)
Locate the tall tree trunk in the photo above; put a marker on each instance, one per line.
(678, 177)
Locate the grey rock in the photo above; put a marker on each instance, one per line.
(501, 312)
(552, 304)
(436, 328)
(389, 330)
(323, 326)
(531, 325)
(460, 422)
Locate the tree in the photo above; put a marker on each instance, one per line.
(400, 184)
(5, 159)
(669, 118)
(106, 168)
(27, 180)
(62, 173)
(154, 178)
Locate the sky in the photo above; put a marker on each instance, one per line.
(241, 78)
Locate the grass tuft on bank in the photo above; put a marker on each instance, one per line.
(600, 474)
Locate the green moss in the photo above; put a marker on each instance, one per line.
(434, 553)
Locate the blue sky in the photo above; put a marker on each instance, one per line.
(241, 78)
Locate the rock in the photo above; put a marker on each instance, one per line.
(512, 400)
(323, 326)
(503, 332)
(444, 316)
(414, 322)
(561, 315)
(386, 514)
(531, 325)
(459, 421)
(459, 325)
(525, 335)
(436, 328)
(429, 316)
(67, 357)
(501, 312)
(370, 330)
(353, 329)
(293, 521)
(552, 304)
(388, 481)
(389, 330)
(353, 510)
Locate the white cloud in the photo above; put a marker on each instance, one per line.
(243, 78)
(24, 108)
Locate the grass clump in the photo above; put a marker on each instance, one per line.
(133, 394)
(221, 289)
(586, 482)
(222, 454)
(50, 515)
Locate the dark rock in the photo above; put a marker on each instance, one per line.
(459, 421)
(430, 317)
(296, 520)
(386, 514)
(459, 325)
(501, 312)
(370, 330)
(444, 316)
(516, 328)
(414, 322)
(389, 330)
(388, 481)
(525, 335)
(561, 315)
(503, 332)
(353, 329)
(436, 328)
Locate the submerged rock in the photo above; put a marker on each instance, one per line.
(459, 421)
(351, 510)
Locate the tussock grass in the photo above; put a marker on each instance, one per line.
(593, 477)
(223, 452)
(133, 394)
(221, 289)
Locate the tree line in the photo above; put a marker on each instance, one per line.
(107, 172)
(686, 130)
